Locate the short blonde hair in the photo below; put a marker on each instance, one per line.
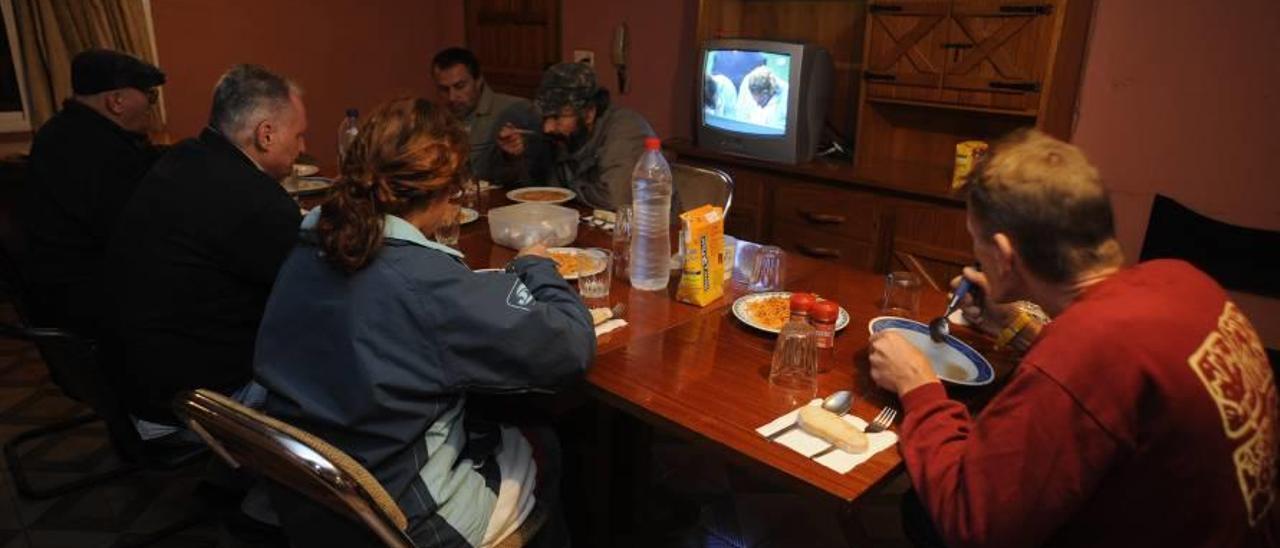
(1046, 196)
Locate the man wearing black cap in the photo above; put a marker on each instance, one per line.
(596, 144)
(85, 163)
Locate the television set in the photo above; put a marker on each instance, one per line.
(763, 99)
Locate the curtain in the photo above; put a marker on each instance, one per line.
(51, 33)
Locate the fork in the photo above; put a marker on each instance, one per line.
(882, 422)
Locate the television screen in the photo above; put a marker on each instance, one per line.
(746, 91)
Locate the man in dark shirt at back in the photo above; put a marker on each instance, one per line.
(198, 247)
(85, 163)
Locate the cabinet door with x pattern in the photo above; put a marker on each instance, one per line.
(997, 54)
(905, 59)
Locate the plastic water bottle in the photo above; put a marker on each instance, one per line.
(347, 131)
(651, 228)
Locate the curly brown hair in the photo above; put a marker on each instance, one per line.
(407, 155)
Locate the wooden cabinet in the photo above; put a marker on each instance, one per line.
(515, 41)
(905, 54)
(824, 210)
(979, 53)
(939, 73)
(998, 54)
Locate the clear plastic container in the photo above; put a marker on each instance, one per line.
(522, 225)
(650, 264)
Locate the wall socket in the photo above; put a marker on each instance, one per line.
(585, 56)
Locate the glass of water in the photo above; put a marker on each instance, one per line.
(596, 276)
(622, 226)
(447, 230)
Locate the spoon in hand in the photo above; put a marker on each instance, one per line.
(838, 402)
(940, 327)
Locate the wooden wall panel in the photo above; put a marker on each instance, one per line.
(515, 40)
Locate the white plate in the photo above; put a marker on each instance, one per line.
(740, 310)
(305, 170)
(302, 186)
(467, 215)
(565, 193)
(967, 366)
(577, 251)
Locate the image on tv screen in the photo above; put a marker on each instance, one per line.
(746, 91)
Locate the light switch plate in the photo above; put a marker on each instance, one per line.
(585, 56)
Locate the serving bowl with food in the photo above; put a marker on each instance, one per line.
(541, 195)
(521, 225)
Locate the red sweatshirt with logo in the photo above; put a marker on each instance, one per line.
(1145, 414)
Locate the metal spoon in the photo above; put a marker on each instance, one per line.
(838, 402)
(940, 327)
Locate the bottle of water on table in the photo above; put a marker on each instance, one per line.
(651, 228)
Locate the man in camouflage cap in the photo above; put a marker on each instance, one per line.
(595, 144)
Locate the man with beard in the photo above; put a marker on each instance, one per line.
(462, 88)
(594, 144)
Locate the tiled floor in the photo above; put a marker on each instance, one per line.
(93, 517)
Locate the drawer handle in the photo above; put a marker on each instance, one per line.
(879, 76)
(1042, 9)
(824, 252)
(1033, 87)
(822, 218)
(884, 8)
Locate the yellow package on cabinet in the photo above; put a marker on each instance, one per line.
(702, 277)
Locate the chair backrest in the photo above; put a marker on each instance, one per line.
(295, 459)
(699, 186)
(1239, 258)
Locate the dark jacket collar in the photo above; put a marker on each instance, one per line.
(216, 141)
(82, 113)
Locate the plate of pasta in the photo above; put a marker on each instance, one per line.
(769, 311)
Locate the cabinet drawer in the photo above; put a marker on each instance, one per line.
(825, 246)
(838, 212)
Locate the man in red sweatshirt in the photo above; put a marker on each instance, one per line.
(1144, 414)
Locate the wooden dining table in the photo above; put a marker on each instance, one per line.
(703, 373)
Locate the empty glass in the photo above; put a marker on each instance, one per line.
(594, 287)
(901, 295)
(769, 270)
(447, 230)
(622, 240)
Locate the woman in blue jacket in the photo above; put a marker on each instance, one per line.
(374, 336)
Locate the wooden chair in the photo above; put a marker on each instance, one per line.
(295, 459)
(699, 186)
(309, 466)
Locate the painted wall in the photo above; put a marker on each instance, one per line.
(662, 60)
(344, 53)
(1179, 101)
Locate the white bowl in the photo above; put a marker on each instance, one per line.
(522, 225)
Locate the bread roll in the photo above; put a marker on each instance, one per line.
(832, 429)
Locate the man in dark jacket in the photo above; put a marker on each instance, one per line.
(85, 163)
(198, 247)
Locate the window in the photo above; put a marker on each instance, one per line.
(13, 93)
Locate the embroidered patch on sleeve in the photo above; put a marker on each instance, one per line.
(520, 298)
(1233, 367)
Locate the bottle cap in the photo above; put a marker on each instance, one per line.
(354, 113)
(652, 143)
(825, 311)
(801, 302)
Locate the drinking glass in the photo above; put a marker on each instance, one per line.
(622, 227)
(901, 295)
(769, 270)
(447, 230)
(474, 198)
(594, 287)
(730, 252)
